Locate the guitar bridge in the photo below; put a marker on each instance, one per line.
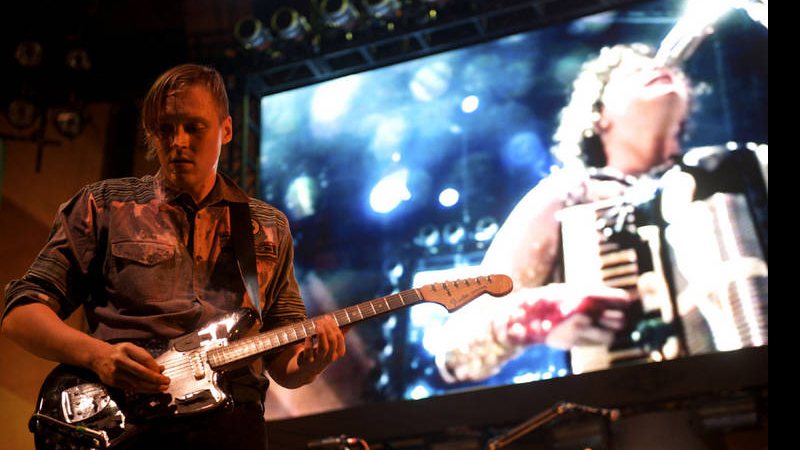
(83, 401)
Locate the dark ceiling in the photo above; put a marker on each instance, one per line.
(130, 41)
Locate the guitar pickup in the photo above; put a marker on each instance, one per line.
(83, 401)
(198, 370)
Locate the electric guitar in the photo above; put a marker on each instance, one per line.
(75, 410)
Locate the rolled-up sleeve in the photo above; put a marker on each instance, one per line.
(283, 296)
(60, 276)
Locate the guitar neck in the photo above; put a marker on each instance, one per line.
(279, 337)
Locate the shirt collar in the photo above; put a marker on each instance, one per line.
(225, 190)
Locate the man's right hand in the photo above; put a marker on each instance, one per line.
(558, 314)
(130, 367)
(36, 328)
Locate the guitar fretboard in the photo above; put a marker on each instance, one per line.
(270, 340)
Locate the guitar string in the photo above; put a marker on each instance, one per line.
(343, 316)
(184, 364)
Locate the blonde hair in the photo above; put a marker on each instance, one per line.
(177, 78)
(576, 142)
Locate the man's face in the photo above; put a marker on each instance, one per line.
(190, 135)
(647, 106)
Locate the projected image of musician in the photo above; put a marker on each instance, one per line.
(587, 276)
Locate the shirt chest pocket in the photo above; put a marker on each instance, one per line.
(147, 270)
(267, 251)
(266, 259)
(147, 253)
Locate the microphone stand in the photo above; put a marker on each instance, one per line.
(526, 427)
(544, 417)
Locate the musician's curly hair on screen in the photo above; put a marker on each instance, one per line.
(576, 140)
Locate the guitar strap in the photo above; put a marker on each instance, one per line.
(244, 249)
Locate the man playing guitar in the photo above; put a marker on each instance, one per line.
(153, 258)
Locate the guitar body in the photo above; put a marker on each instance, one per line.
(76, 411)
(75, 407)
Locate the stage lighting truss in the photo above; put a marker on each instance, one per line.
(289, 24)
(339, 14)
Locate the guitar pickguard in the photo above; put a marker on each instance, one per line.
(75, 410)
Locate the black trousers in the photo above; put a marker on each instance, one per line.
(240, 428)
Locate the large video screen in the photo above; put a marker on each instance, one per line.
(397, 178)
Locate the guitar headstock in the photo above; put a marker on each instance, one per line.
(457, 293)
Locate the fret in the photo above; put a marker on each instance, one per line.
(304, 331)
(238, 351)
(255, 346)
(340, 320)
(394, 301)
(413, 294)
(374, 312)
(379, 306)
(400, 301)
(213, 358)
(264, 342)
(309, 325)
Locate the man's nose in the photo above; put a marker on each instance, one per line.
(180, 138)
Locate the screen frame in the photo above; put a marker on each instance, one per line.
(469, 389)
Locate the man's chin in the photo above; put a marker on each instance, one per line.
(181, 180)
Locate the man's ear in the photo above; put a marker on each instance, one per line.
(227, 130)
(603, 123)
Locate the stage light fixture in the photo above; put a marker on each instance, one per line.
(78, 59)
(390, 192)
(382, 9)
(485, 229)
(394, 271)
(252, 34)
(339, 14)
(29, 54)
(22, 113)
(427, 236)
(289, 24)
(449, 197)
(70, 122)
(453, 233)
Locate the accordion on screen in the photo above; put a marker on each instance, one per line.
(691, 245)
